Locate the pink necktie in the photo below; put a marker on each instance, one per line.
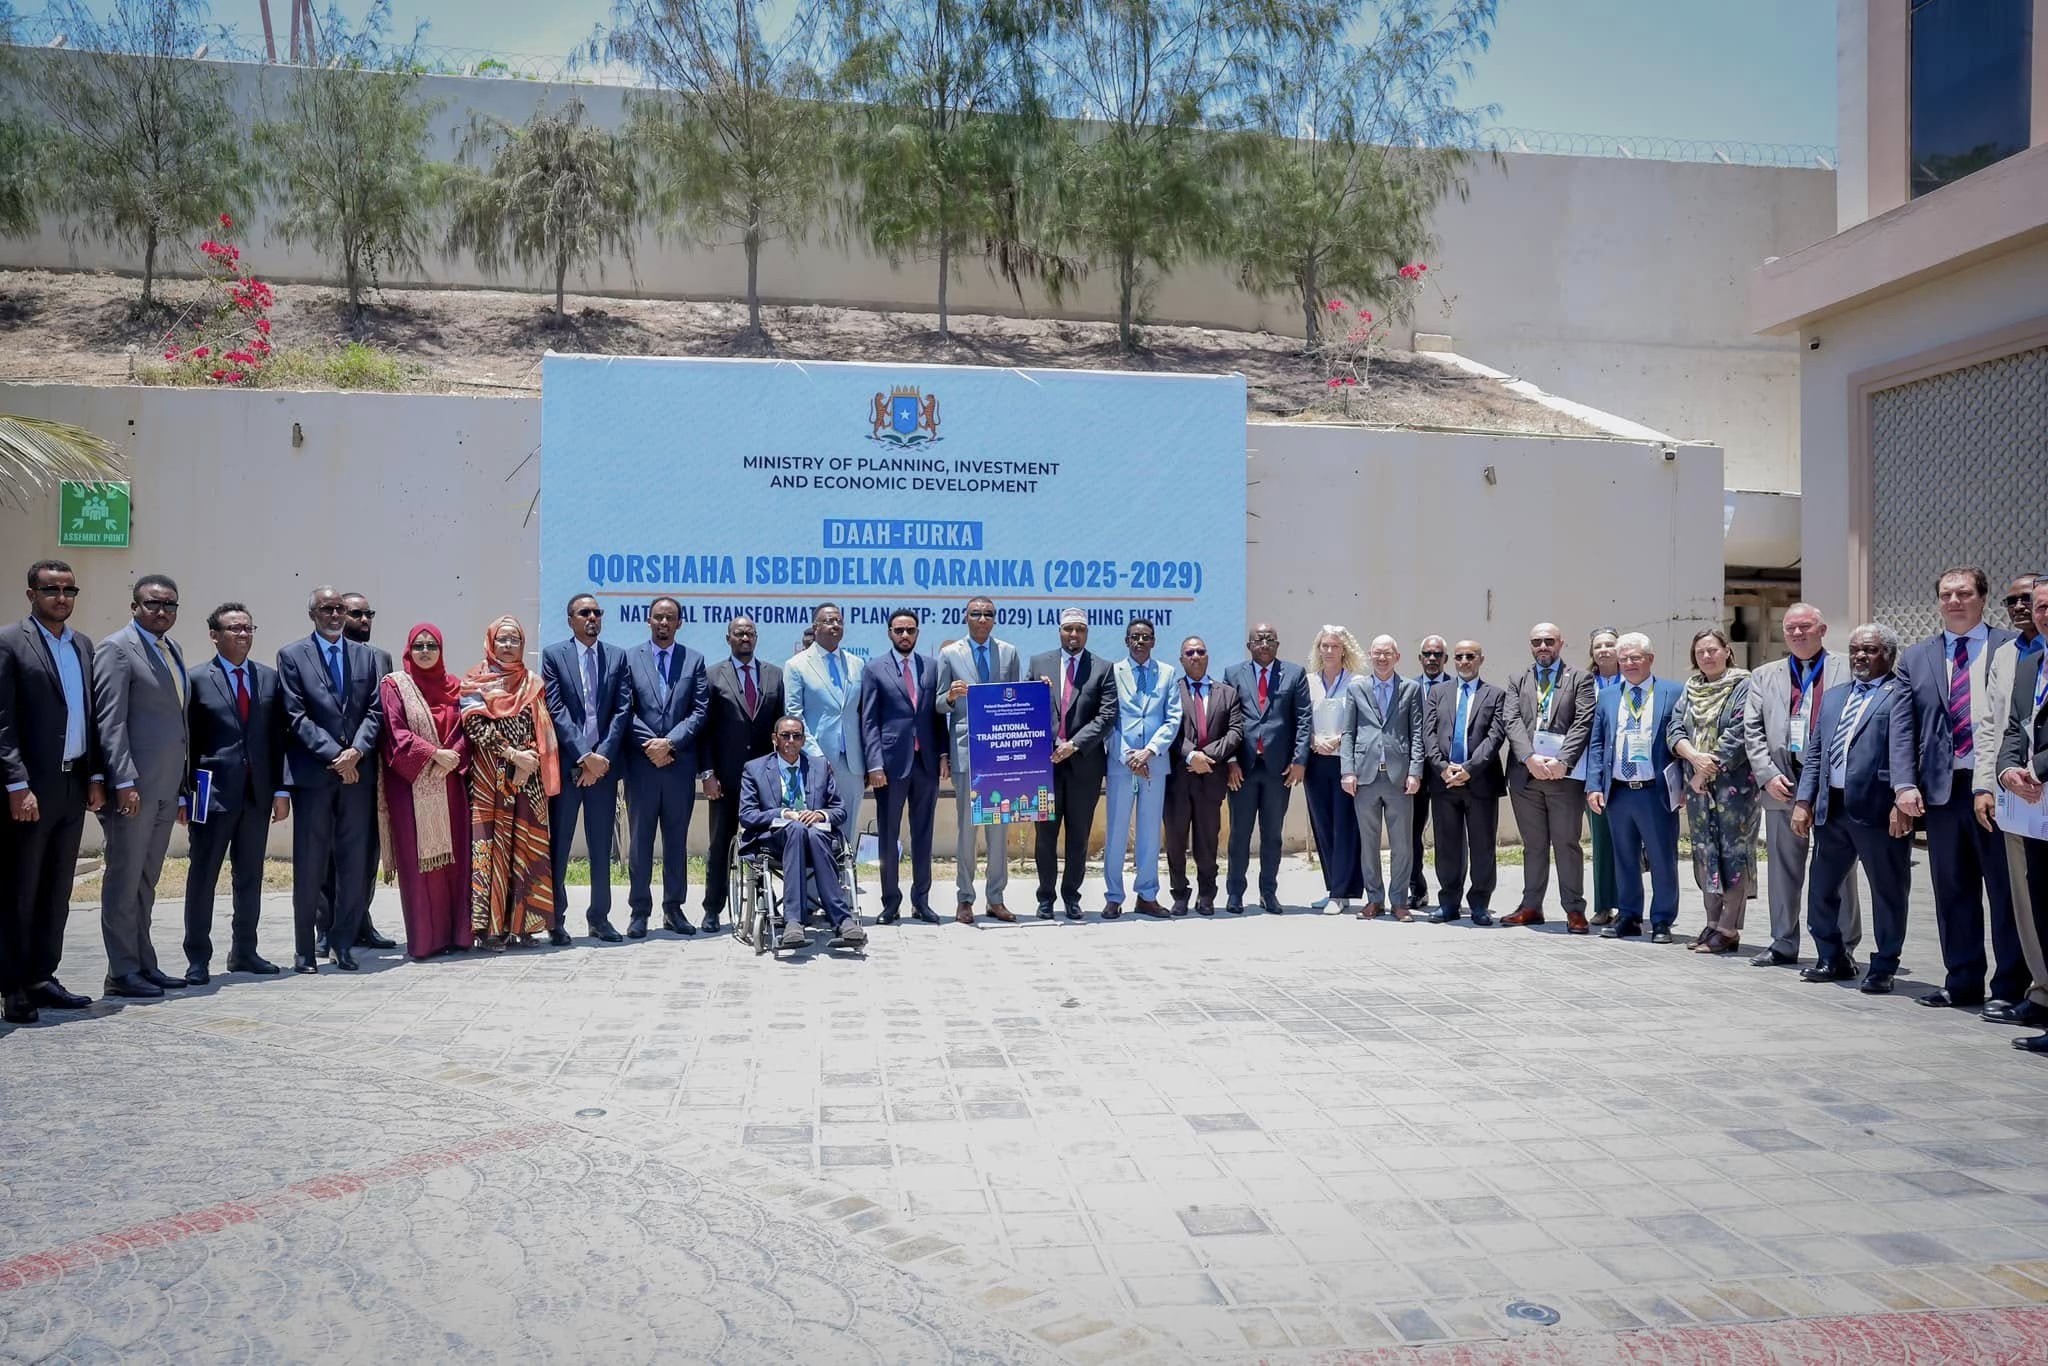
(910, 686)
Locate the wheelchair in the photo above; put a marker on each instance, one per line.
(756, 882)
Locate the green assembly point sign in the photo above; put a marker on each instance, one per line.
(94, 514)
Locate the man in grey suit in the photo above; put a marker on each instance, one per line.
(981, 658)
(1382, 766)
(1777, 729)
(1550, 725)
(139, 685)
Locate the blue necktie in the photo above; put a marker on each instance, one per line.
(1635, 695)
(832, 663)
(1458, 737)
(981, 661)
(334, 672)
(792, 795)
(661, 663)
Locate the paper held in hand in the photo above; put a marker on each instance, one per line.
(2026, 819)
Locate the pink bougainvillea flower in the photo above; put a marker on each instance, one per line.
(226, 221)
(202, 352)
(1351, 379)
(263, 325)
(1336, 305)
(1364, 316)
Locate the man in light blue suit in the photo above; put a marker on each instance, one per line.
(670, 697)
(822, 685)
(1625, 781)
(1147, 719)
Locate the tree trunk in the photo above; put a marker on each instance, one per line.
(753, 246)
(1126, 288)
(149, 269)
(561, 274)
(945, 270)
(353, 279)
(1311, 319)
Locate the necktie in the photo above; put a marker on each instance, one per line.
(1852, 711)
(1959, 701)
(241, 696)
(753, 693)
(1200, 693)
(832, 663)
(1262, 707)
(792, 795)
(1635, 697)
(661, 660)
(910, 686)
(590, 699)
(1383, 693)
(1066, 694)
(334, 670)
(169, 660)
(981, 661)
(1458, 735)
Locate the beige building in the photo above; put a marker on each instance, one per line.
(1923, 322)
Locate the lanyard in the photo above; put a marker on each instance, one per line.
(1546, 683)
(2041, 685)
(1343, 677)
(1632, 712)
(1802, 679)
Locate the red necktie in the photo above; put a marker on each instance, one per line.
(747, 681)
(1262, 705)
(241, 697)
(1066, 696)
(1201, 715)
(910, 686)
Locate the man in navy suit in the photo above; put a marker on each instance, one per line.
(1625, 780)
(1944, 676)
(590, 702)
(903, 736)
(789, 810)
(1847, 799)
(333, 718)
(1083, 711)
(236, 720)
(669, 700)
(1272, 701)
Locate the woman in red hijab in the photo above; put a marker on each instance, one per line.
(514, 770)
(426, 768)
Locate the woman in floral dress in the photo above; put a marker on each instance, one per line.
(513, 771)
(1723, 805)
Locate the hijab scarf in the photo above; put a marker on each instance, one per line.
(431, 710)
(503, 690)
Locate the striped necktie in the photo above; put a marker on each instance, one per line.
(1959, 701)
(1845, 729)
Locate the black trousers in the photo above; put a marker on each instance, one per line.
(725, 829)
(1418, 885)
(372, 852)
(38, 861)
(917, 798)
(1076, 791)
(1467, 827)
(598, 804)
(332, 824)
(1838, 846)
(1967, 864)
(1194, 814)
(237, 837)
(1261, 799)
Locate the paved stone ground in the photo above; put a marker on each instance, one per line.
(1196, 1139)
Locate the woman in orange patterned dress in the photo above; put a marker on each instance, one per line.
(513, 771)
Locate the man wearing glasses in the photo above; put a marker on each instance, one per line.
(48, 747)
(1550, 724)
(1433, 652)
(1211, 733)
(357, 617)
(139, 686)
(585, 683)
(981, 658)
(1272, 700)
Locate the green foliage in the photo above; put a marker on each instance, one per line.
(145, 146)
(22, 186)
(557, 193)
(356, 365)
(1352, 148)
(348, 161)
(736, 140)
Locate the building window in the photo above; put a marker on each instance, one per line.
(1971, 86)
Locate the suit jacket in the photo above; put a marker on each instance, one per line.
(2025, 741)
(761, 799)
(897, 736)
(33, 714)
(1924, 669)
(2000, 675)
(831, 715)
(247, 761)
(319, 725)
(1767, 721)
(1091, 713)
(1666, 694)
(1884, 736)
(956, 664)
(1225, 726)
(1393, 739)
(1144, 720)
(1486, 736)
(139, 703)
(1570, 714)
(680, 720)
(561, 676)
(732, 735)
(1284, 725)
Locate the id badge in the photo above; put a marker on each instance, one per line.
(1635, 749)
(1795, 742)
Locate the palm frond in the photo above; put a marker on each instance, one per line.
(36, 453)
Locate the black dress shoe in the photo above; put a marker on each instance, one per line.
(1876, 984)
(559, 937)
(710, 925)
(1771, 958)
(1483, 919)
(20, 1010)
(1826, 971)
(133, 985)
(1660, 936)
(1112, 909)
(368, 938)
(1045, 910)
(2015, 1013)
(164, 979)
(680, 923)
(1623, 929)
(303, 964)
(197, 976)
(2033, 1043)
(636, 927)
(51, 995)
(602, 930)
(1937, 1000)
(889, 917)
(345, 959)
(1419, 902)
(1073, 910)
(926, 914)
(1234, 907)
(1207, 908)
(1270, 905)
(1444, 915)
(261, 967)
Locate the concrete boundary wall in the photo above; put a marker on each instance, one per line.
(423, 502)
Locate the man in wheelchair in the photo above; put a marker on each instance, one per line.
(789, 814)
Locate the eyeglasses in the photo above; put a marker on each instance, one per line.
(237, 630)
(426, 647)
(325, 608)
(1464, 659)
(981, 616)
(1140, 638)
(362, 613)
(590, 611)
(53, 591)
(1192, 653)
(1543, 640)
(1432, 654)
(1265, 637)
(2016, 599)
(159, 605)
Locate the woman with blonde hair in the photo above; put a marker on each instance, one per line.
(1723, 804)
(1334, 662)
(514, 769)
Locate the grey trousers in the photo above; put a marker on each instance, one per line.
(1385, 799)
(135, 860)
(1551, 816)
(995, 837)
(1788, 856)
(2023, 914)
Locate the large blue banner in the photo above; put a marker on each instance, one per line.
(1009, 752)
(763, 487)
